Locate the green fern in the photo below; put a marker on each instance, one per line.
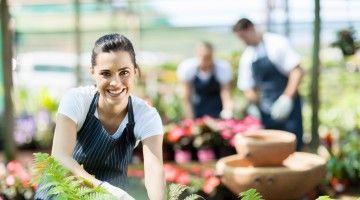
(175, 190)
(193, 197)
(250, 194)
(324, 198)
(59, 181)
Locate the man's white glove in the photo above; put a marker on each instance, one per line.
(117, 192)
(226, 114)
(281, 108)
(253, 110)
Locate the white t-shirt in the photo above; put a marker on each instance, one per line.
(76, 102)
(188, 69)
(278, 50)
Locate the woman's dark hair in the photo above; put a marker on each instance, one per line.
(111, 43)
(242, 24)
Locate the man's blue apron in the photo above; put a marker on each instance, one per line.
(206, 98)
(100, 154)
(271, 84)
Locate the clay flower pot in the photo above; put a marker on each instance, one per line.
(300, 173)
(265, 147)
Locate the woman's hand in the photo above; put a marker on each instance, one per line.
(115, 191)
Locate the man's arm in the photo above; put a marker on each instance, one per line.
(186, 99)
(226, 99)
(251, 95)
(295, 77)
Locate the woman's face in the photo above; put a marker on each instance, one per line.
(114, 74)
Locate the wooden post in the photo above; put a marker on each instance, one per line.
(7, 121)
(315, 78)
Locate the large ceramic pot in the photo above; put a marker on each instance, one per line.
(265, 147)
(299, 174)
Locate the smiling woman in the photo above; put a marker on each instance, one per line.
(97, 127)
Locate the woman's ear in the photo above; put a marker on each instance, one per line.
(92, 70)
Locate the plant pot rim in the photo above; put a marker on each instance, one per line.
(265, 137)
(313, 161)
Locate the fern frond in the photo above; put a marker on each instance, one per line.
(250, 194)
(324, 198)
(175, 190)
(59, 182)
(193, 197)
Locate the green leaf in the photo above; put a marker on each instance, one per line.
(175, 190)
(193, 197)
(250, 194)
(324, 198)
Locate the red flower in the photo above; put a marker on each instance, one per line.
(328, 140)
(171, 173)
(339, 185)
(175, 134)
(210, 184)
(195, 170)
(183, 178)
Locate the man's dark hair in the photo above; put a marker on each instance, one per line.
(242, 24)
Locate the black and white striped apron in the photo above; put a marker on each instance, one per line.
(100, 154)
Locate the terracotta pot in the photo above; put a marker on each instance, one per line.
(300, 173)
(265, 147)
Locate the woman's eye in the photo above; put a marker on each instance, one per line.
(106, 74)
(124, 73)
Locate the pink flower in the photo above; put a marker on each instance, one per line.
(14, 167)
(240, 127)
(187, 122)
(208, 173)
(232, 141)
(226, 134)
(205, 155)
(10, 180)
(182, 156)
(210, 184)
(249, 120)
(24, 178)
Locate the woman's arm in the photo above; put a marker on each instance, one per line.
(63, 147)
(153, 166)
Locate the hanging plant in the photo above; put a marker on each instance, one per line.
(346, 41)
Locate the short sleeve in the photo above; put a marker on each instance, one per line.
(245, 77)
(283, 54)
(291, 58)
(187, 70)
(149, 125)
(71, 106)
(223, 71)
